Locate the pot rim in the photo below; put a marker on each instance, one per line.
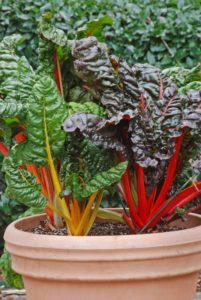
(16, 236)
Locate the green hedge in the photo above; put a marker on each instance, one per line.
(163, 33)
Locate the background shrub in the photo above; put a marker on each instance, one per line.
(163, 33)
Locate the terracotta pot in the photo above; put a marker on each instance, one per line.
(141, 267)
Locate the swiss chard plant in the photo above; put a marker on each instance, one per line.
(150, 123)
(45, 168)
(111, 114)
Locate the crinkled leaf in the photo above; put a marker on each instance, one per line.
(84, 158)
(92, 65)
(192, 111)
(104, 179)
(8, 58)
(88, 107)
(21, 184)
(98, 182)
(52, 40)
(47, 109)
(10, 108)
(51, 33)
(195, 85)
(18, 86)
(184, 78)
(17, 79)
(89, 125)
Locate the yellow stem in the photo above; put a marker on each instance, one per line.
(59, 213)
(55, 178)
(94, 213)
(86, 214)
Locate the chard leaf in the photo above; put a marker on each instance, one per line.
(88, 107)
(16, 77)
(10, 109)
(195, 85)
(183, 77)
(104, 179)
(84, 158)
(21, 184)
(100, 181)
(32, 211)
(16, 90)
(89, 125)
(8, 58)
(51, 33)
(18, 86)
(45, 56)
(192, 112)
(52, 40)
(47, 109)
(92, 65)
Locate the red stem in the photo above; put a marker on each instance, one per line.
(50, 214)
(141, 191)
(183, 157)
(129, 198)
(3, 149)
(152, 198)
(34, 170)
(183, 195)
(180, 200)
(46, 176)
(57, 74)
(170, 175)
(20, 137)
(129, 222)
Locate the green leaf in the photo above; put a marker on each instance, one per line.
(10, 277)
(195, 85)
(150, 58)
(110, 215)
(21, 184)
(32, 211)
(182, 76)
(18, 85)
(10, 109)
(46, 108)
(100, 181)
(52, 40)
(8, 58)
(51, 33)
(104, 179)
(96, 26)
(88, 107)
(16, 77)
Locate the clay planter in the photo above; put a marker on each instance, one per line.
(141, 267)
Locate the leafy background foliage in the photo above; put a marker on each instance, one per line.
(11, 279)
(162, 33)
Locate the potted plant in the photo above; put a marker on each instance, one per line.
(138, 115)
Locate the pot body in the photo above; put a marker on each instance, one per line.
(141, 267)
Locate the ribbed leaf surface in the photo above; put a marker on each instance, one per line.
(22, 185)
(47, 109)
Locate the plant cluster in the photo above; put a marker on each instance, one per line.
(44, 167)
(164, 33)
(117, 120)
